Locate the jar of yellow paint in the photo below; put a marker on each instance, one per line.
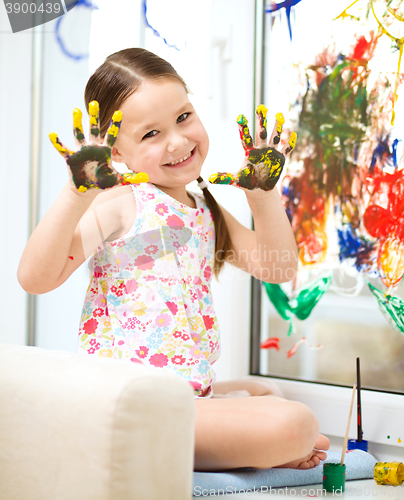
(391, 473)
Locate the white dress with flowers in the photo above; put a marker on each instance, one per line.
(149, 297)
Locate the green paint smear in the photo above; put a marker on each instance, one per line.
(333, 123)
(391, 307)
(222, 178)
(300, 306)
(78, 134)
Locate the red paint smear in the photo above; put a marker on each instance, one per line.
(70, 257)
(292, 351)
(361, 54)
(272, 343)
(384, 220)
(308, 215)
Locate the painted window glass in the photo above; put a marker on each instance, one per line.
(337, 82)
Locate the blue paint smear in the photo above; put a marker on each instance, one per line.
(383, 149)
(154, 30)
(287, 5)
(81, 3)
(354, 247)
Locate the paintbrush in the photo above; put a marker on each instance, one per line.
(358, 398)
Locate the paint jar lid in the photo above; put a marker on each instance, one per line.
(334, 477)
(354, 444)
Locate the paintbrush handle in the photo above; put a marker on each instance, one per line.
(358, 398)
(347, 427)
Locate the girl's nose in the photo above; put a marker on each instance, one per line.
(176, 142)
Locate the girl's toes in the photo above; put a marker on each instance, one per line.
(315, 460)
(321, 455)
(322, 443)
(304, 465)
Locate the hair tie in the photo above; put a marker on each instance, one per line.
(201, 183)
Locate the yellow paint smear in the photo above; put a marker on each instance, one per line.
(292, 140)
(113, 130)
(55, 141)
(93, 108)
(93, 111)
(214, 177)
(77, 117)
(262, 110)
(400, 44)
(117, 116)
(280, 120)
(242, 120)
(136, 178)
(399, 17)
(344, 13)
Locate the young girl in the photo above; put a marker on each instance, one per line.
(155, 247)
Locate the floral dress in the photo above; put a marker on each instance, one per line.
(149, 297)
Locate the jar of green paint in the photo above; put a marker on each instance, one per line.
(334, 477)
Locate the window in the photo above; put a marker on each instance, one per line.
(332, 69)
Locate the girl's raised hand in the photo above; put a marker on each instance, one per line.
(263, 163)
(91, 166)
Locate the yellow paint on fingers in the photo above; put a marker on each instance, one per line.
(280, 120)
(77, 119)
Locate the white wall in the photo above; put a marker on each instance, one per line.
(217, 64)
(15, 108)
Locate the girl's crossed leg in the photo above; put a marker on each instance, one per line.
(259, 431)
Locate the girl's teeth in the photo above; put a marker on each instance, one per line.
(180, 161)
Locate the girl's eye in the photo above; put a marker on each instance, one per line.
(182, 117)
(151, 134)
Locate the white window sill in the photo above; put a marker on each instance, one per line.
(382, 415)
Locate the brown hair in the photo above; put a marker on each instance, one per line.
(118, 78)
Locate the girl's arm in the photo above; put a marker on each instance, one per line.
(269, 253)
(70, 232)
(275, 241)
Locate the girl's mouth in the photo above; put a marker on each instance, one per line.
(182, 161)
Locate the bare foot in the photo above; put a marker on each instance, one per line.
(313, 458)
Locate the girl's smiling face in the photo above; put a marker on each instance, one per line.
(162, 135)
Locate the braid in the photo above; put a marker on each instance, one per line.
(223, 243)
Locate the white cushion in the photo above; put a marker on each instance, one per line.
(76, 427)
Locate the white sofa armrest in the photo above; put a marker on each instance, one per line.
(80, 427)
